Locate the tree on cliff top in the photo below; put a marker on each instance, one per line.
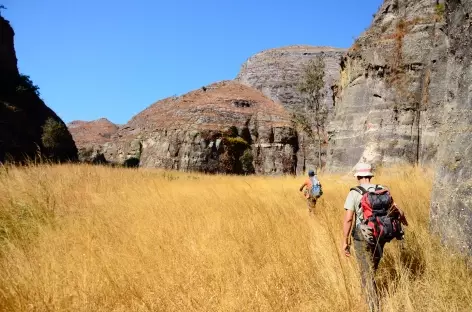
(2, 7)
(311, 87)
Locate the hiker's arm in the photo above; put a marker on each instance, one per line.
(402, 215)
(348, 217)
(347, 223)
(349, 206)
(301, 187)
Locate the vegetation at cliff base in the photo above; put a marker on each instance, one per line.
(93, 238)
(237, 157)
(54, 133)
(247, 160)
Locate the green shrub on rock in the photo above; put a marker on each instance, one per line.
(247, 161)
(54, 134)
(237, 157)
(25, 84)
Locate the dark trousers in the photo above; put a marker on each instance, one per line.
(368, 256)
(311, 202)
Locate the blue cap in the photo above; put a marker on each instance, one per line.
(311, 173)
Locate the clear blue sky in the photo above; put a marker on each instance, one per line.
(112, 59)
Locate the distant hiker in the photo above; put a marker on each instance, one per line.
(377, 221)
(312, 191)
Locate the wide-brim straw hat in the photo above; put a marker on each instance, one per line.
(363, 170)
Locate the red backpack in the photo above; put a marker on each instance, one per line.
(380, 214)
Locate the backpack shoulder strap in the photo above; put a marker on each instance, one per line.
(379, 187)
(359, 189)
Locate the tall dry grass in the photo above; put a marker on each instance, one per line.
(82, 238)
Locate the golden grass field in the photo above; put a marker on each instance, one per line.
(83, 238)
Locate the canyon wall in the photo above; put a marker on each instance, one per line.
(391, 92)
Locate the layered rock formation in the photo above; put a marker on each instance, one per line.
(451, 209)
(27, 125)
(278, 72)
(403, 97)
(89, 136)
(391, 92)
(188, 132)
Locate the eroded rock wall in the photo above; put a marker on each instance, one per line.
(391, 92)
(274, 151)
(278, 72)
(451, 209)
(188, 133)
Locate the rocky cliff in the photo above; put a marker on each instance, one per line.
(219, 128)
(89, 136)
(451, 209)
(403, 97)
(278, 72)
(391, 92)
(27, 125)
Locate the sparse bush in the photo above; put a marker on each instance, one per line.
(246, 161)
(226, 162)
(54, 134)
(25, 84)
(236, 143)
(440, 9)
(234, 148)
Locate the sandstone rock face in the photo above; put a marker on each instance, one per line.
(278, 72)
(89, 136)
(186, 132)
(451, 209)
(391, 92)
(23, 114)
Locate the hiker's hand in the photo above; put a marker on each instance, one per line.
(347, 250)
(403, 219)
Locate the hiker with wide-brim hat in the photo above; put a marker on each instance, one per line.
(368, 240)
